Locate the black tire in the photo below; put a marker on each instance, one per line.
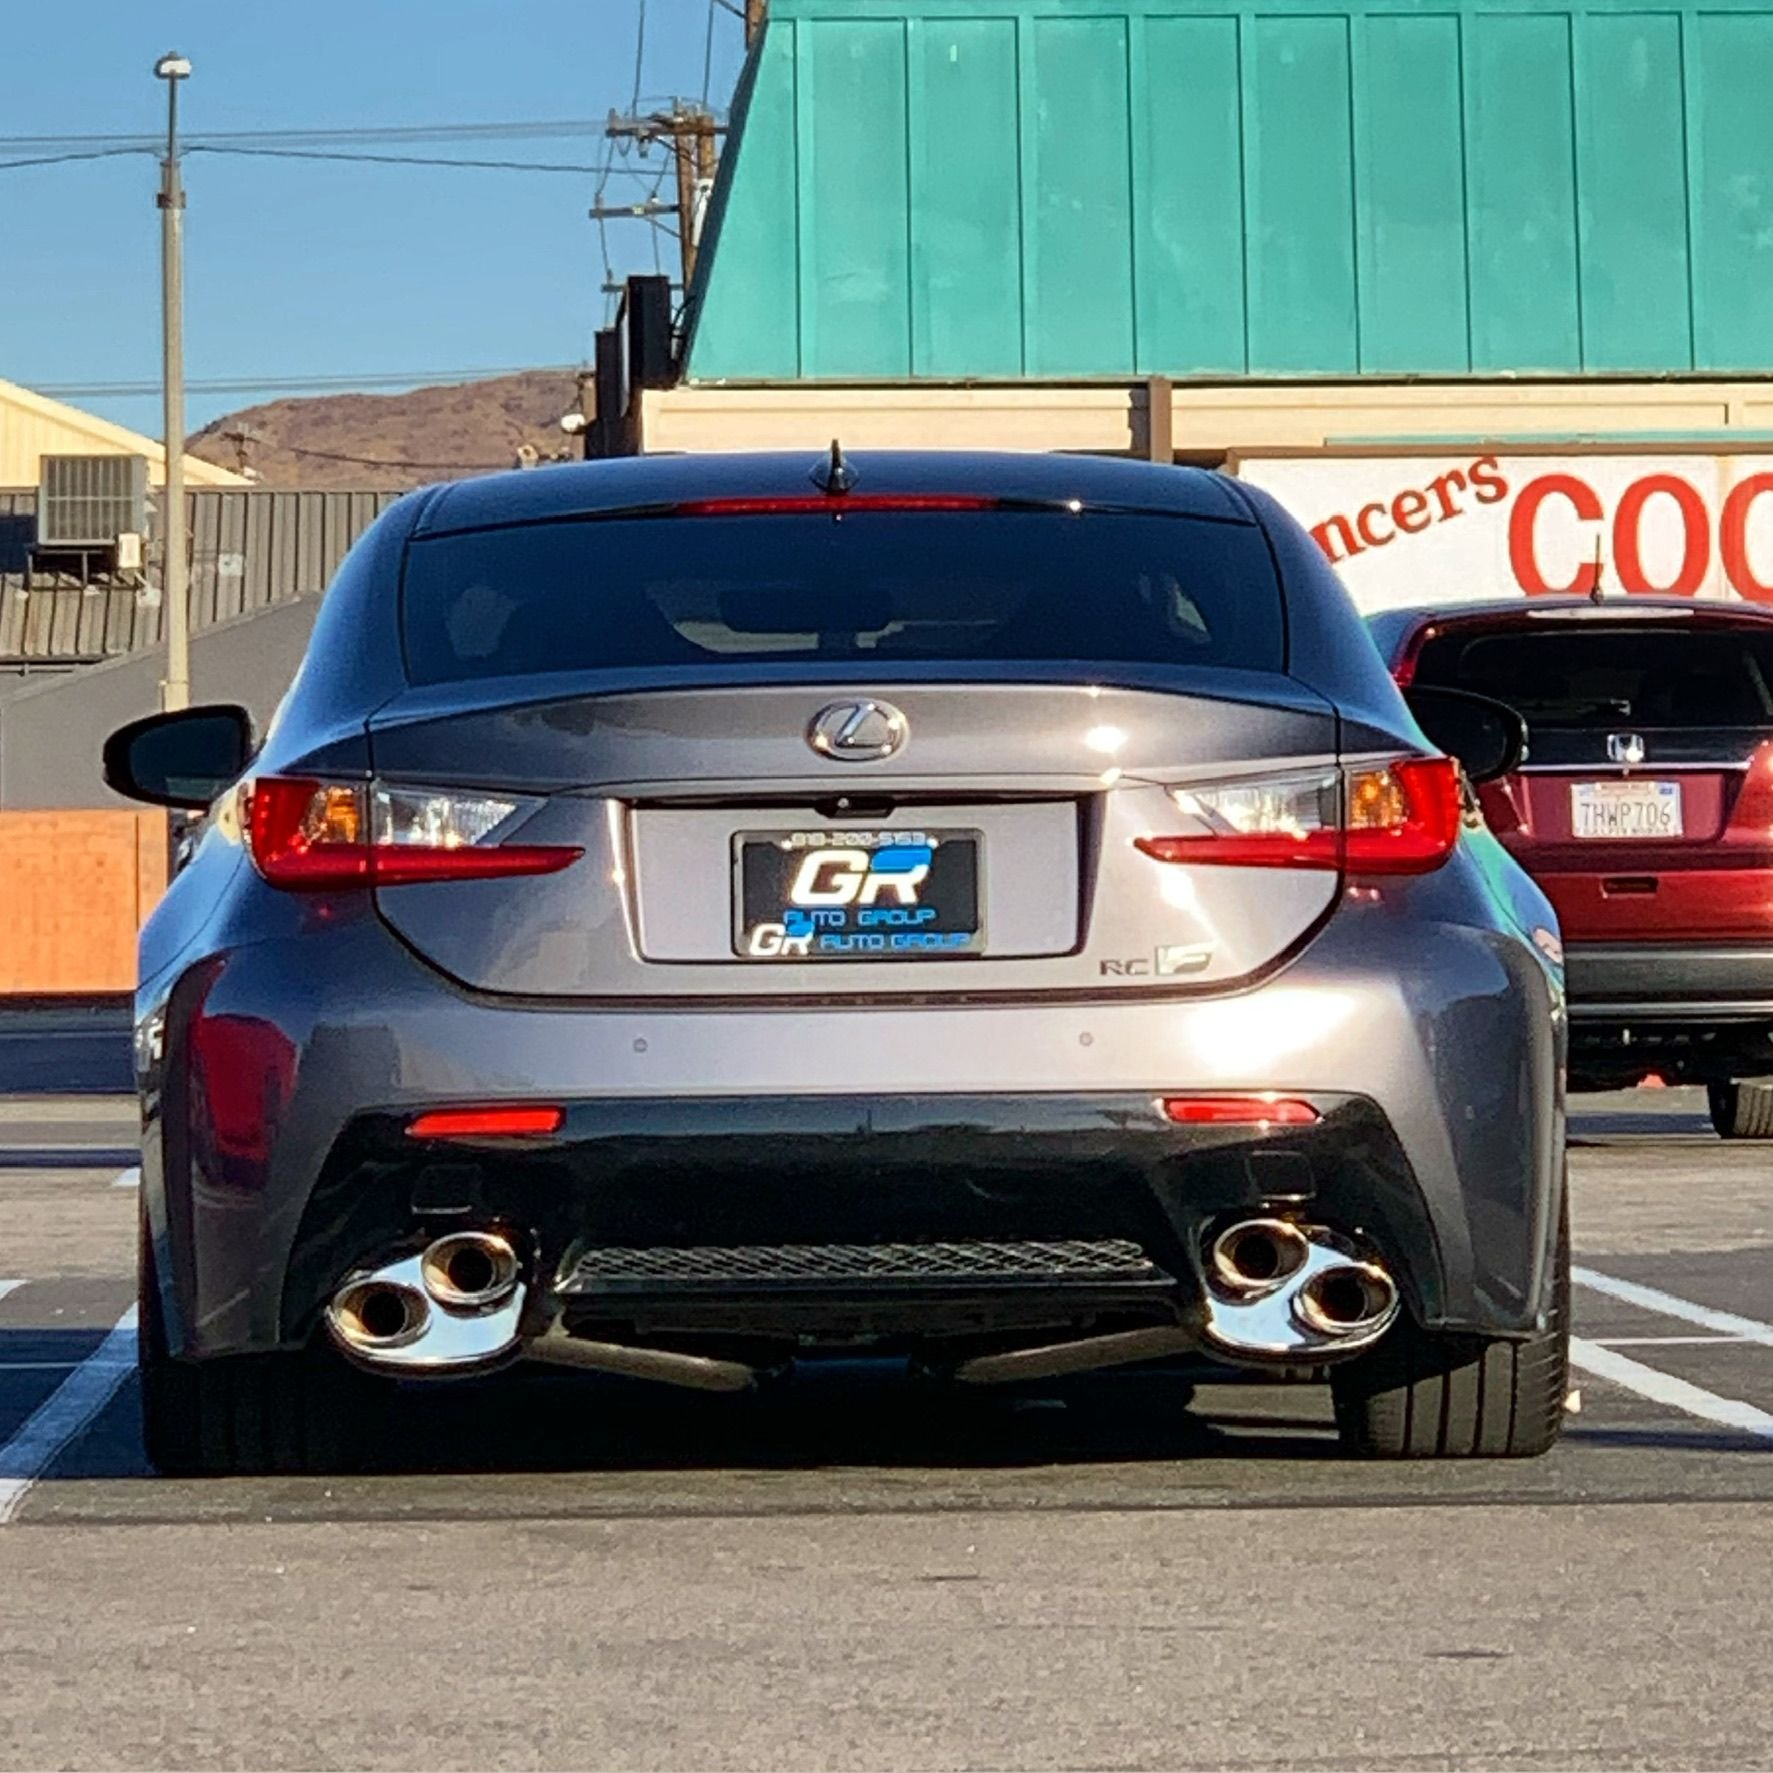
(1741, 1110)
(1425, 1396)
(242, 1414)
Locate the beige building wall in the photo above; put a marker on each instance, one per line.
(1203, 419)
(32, 427)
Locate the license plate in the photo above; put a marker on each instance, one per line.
(1625, 809)
(848, 894)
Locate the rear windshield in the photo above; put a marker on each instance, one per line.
(992, 586)
(1653, 676)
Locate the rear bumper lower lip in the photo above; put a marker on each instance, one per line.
(1668, 981)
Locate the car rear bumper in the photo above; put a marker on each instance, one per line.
(1669, 981)
(277, 1092)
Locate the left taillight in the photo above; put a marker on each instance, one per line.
(310, 835)
(1400, 817)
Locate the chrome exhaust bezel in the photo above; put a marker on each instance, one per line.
(507, 1269)
(344, 1315)
(1308, 1308)
(1291, 1242)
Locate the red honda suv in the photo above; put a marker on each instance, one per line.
(1645, 811)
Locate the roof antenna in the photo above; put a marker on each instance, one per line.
(1595, 592)
(835, 476)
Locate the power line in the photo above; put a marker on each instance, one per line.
(577, 169)
(329, 455)
(314, 138)
(120, 390)
(65, 159)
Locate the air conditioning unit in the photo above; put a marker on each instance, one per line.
(91, 501)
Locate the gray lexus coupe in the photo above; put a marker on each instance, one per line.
(693, 916)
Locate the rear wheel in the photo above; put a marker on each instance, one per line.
(1741, 1110)
(1425, 1396)
(241, 1414)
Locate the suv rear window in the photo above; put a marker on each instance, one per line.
(1654, 676)
(992, 586)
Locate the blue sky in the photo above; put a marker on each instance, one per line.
(307, 267)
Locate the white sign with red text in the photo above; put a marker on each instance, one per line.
(1453, 528)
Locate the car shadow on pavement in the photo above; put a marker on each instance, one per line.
(850, 1416)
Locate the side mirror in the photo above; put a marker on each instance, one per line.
(182, 760)
(1487, 738)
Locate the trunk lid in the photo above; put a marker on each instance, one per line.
(1020, 799)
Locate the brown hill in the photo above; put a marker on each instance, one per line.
(395, 440)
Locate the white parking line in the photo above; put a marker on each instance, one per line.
(1744, 1329)
(64, 1413)
(1671, 1342)
(1663, 1388)
(9, 1286)
(128, 1178)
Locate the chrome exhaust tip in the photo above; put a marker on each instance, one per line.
(374, 1316)
(454, 1307)
(470, 1270)
(1282, 1291)
(1354, 1299)
(1257, 1255)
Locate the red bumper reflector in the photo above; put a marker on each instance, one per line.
(1239, 1111)
(486, 1123)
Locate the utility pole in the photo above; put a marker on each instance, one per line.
(690, 132)
(175, 689)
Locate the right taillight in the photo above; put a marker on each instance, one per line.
(318, 836)
(1400, 817)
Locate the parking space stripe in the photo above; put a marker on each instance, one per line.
(1664, 1388)
(1671, 1342)
(129, 1178)
(1744, 1329)
(64, 1413)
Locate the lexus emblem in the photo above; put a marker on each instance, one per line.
(1626, 747)
(857, 732)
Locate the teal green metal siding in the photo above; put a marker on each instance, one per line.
(1076, 188)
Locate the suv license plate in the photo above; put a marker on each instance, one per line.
(844, 894)
(1622, 810)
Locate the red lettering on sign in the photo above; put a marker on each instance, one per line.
(1733, 538)
(1488, 481)
(1364, 523)
(1409, 511)
(1336, 537)
(1627, 536)
(1523, 556)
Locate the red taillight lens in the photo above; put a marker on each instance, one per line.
(1261, 1110)
(310, 835)
(1403, 819)
(510, 1122)
(1396, 818)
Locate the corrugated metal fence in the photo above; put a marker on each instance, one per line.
(249, 549)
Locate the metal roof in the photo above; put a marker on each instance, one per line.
(249, 549)
(999, 189)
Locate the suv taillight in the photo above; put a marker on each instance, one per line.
(316, 836)
(1401, 817)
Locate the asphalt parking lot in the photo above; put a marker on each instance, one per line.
(862, 1573)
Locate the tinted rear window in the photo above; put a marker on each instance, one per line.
(1655, 676)
(992, 586)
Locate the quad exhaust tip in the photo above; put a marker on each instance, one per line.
(470, 1270)
(453, 1306)
(1280, 1290)
(1257, 1255)
(376, 1316)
